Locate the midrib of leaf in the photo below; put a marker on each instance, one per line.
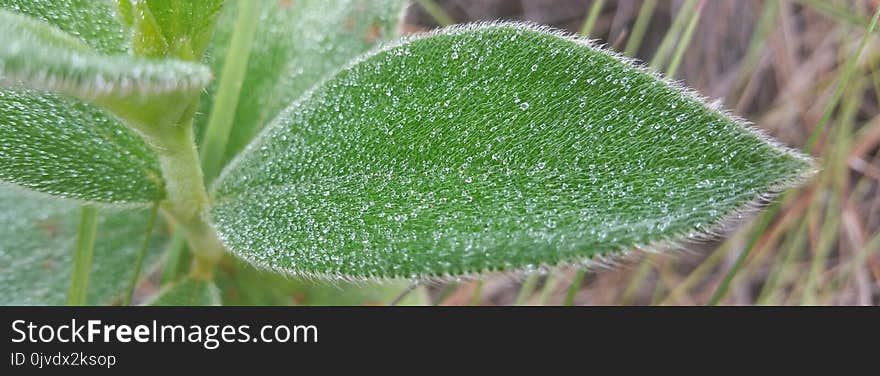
(82, 258)
(766, 218)
(227, 97)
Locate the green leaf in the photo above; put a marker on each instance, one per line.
(242, 284)
(188, 292)
(37, 239)
(296, 44)
(37, 55)
(94, 22)
(63, 146)
(489, 147)
(161, 28)
(67, 148)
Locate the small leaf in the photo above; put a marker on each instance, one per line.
(188, 292)
(39, 56)
(37, 238)
(161, 28)
(488, 147)
(296, 44)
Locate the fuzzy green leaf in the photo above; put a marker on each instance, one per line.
(37, 238)
(37, 55)
(63, 146)
(67, 148)
(188, 292)
(488, 147)
(296, 44)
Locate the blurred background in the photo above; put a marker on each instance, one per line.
(793, 68)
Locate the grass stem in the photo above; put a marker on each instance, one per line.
(82, 256)
(229, 89)
(592, 16)
(436, 12)
(641, 25)
(139, 261)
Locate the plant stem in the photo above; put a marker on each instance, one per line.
(139, 262)
(592, 16)
(82, 256)
(186, 198)
(234, 69)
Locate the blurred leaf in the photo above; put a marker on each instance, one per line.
(488, 147)
(37, 238)
(242, 284)
(63, 146)
(37, 55)
(297, 43)
(188, 292)
(94, 22)
(161, 28)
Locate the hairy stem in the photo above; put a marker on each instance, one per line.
(82, 256)
(186, 197)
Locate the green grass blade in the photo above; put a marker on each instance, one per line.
(574, 287)
(436, 12)
(527, 289)
(141, 255)
(845, 75)
(227, 95)
(685, 40)
(672, 35)
(82, 259)
(592, 16)
(641, 25)
(287, 57)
